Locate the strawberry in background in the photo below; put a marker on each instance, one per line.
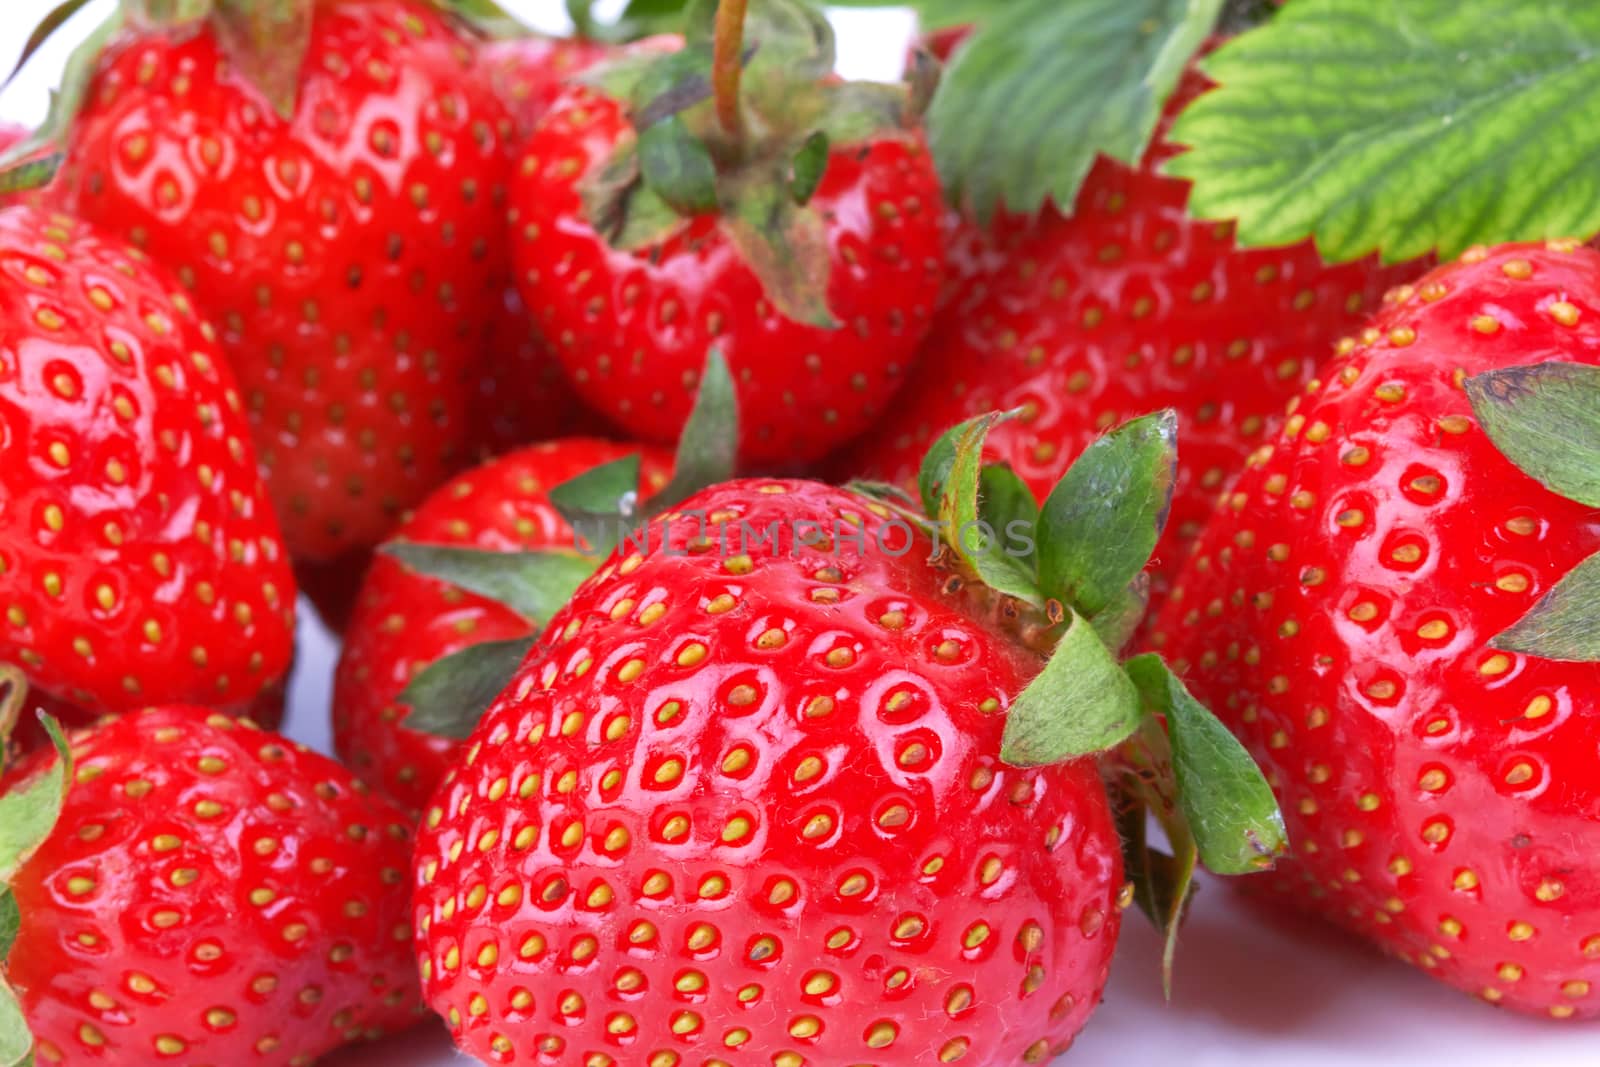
(677, 201)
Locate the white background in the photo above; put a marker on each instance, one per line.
(1270, 991)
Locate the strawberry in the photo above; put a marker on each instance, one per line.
(530, 72)
(1346, 608)
(789, 218)
(210, 893)
(328, 179)
(782, 784)
(405, 621)
(1126, 306)
(140, 561)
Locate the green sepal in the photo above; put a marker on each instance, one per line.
(1006, 503)
(28, 812)
(807, 167)
(1545, 418)
(1565, 623)
(532, 583)
(1117, 622)
(31, 174)
(967, 531)
(53, 20)
(1043, 87)
(16, 1042)
(676, 166)
(67, 98)
(1080, 704)
(1224, 797)
(621, 208)
(654, 85)
(784, 245)
(10, 921)
(450, 695)
(1102, 520)
(601, 504)
(789, 42)
(708, 446)
(887, 492)
(267, 40)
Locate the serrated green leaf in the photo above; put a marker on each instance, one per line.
(1102, 520)
(450, 695)
(708, 447)
(1224, 797)
(1080, 704)
(534, 584)
(1405, 127)
(1044, 86)
(1545, 418)
(28, 812)
(676, 166)
(966, 530)
(1565, 623)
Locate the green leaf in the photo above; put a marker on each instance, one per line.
(677, 167)
(1565, 623)
(1043, 86)
(1405, 127)
(1223, 795)
(1546, 419)
(10, 922)
(29, 811)
(708, 447)
(267, 41)
(619, 206)
(53, 20)
(450, 695)
(810, 163)
(1102, 520)
(16, 1041)
(1006, 503)
(1117, 622)
(981, 546)
(792, 42)
(601, 503)
(785, 246)
(935, 470)
(533, 584)
(1080, 704)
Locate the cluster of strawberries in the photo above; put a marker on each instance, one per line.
(691, 758)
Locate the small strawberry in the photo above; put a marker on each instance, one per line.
(140, 561)
(1126, 306)
(405, 621)
(210, 893)
(773, 786)
(1347, 612)
(328, 179)
(673, 202)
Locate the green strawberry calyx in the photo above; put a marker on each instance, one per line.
(28, 813)
(450, 695)
(1069, 581)
(1545, 418)
(739, 124)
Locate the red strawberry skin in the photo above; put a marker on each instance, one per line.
(404, 621)
(1442, 796)
(1127, 307)
(632, 330)
(530, 72)
(748, 807)
(140, 561)
(211, 894)
(346, 255)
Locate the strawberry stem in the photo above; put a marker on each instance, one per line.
(727, 62)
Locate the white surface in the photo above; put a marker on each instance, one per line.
(1269, 992)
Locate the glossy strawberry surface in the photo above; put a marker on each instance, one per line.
(403, 621)
(212, 894)
(1442, 796)
(346, 254)
(633, 328)
(1126, 307)
(747, 807)
(140, 560)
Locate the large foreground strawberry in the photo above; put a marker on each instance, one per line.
(1126, 306)
(1347, 609)
(783, 784)
(328, 180)
(140, 561)
(210, 894)
(788, 218)
(405, 621)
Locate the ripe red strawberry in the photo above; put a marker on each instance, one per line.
(782, 783)
(335, 202)
(1341, 612)
(801, 238)
(211, 893)
(140, 561)
(405, 621)
(1127, 306)
(530, 72)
